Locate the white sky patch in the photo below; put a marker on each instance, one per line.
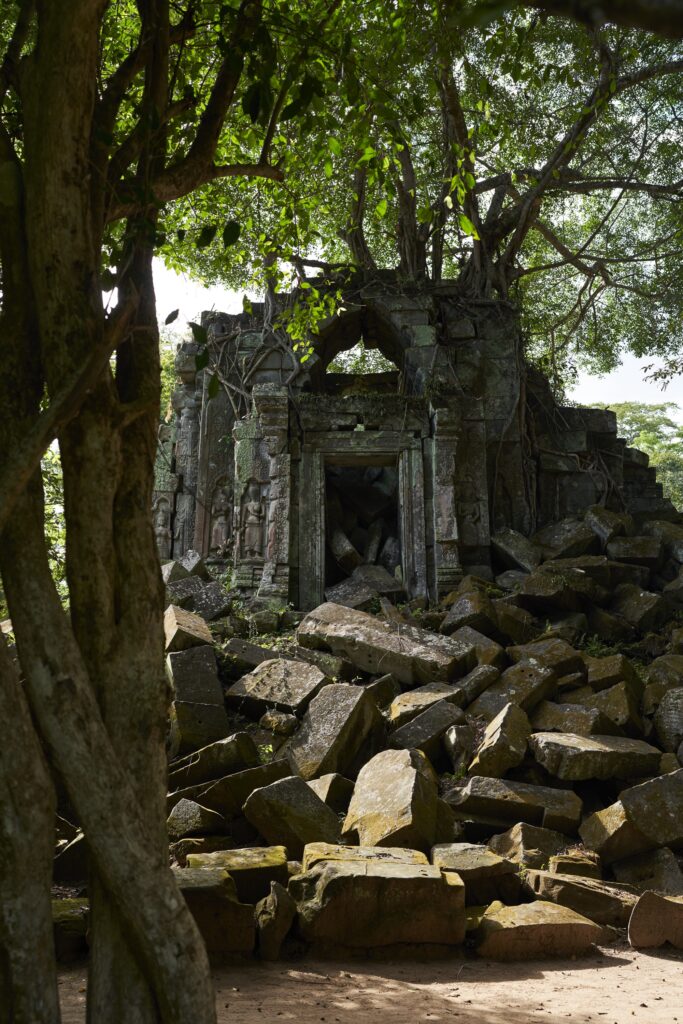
(626, 384)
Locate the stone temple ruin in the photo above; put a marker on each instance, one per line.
(301, 478)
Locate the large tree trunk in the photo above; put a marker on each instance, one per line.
(96, 683)
(28, 976)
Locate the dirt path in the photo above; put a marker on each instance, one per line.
(614, 986)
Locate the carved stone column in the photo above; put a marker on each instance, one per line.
(448, 569)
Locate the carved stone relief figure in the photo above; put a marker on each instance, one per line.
(221, 509)
(162, 528)
(252, 522)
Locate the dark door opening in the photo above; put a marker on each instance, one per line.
(362, 522)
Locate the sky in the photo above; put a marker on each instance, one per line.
(626, 384)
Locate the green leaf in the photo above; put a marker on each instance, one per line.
(198, 333)
(251, 101)
(381, 208)
(172, 316)
(468, 227)
(206, 235)
(334, 146)
(201, 359)
(231, 233)
(214, 387)
(328, 168)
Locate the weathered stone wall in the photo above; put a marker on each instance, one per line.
(478, 441)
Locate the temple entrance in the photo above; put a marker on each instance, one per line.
(362, 526)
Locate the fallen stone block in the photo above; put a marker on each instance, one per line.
(274, 915)
(290, 814)
(227, 795)
(657, 870)
(424, 732)
(526, 684)
(199, 844)
(173, 572)
(640, 608)
(516, 551)
(669, 534)
(315, 853)
(568, 538)
(378, 579)
(343, 550)
(412, 703)
(411, 654)
(645, 817)
(503, 800)
(486, 875)
(571, 718)
(607, 524)
(487, 651)
(510, 580)
(341, 722)
(646, 551)
(193, 675)
(504, 744)
(528, 845)
(334, 790)
(352, 593)
(226, 925)
(555, 654)
(183, 592)
(212, 602)
(602, 902)
(609, 627)
(475, 610)
(193, 726)
(459, 743)
(603, 673)
(655, 920)
(252, 869)
(278, 684)
(279, 723)
(384, 690)
(563, 589)
(232, 754)
(184, 629)
(193, 562)
(534, 931)
(518, 625)
(393, 802)
(663, 674)
(668, 720)
(621, 704)
(573, 758)
(586, 864)
(377, 904)
(189, 818)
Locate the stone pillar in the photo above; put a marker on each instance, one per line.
(448, 569)
(271, 404)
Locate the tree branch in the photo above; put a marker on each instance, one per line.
(8, 68)
(662, 16)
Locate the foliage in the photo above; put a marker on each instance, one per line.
(55, 527)
(360, 360)
(169, 378)
(652, 429)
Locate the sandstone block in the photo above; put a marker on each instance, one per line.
(486, 650)
(657, 870)
(526, 684)
(603, 673)
(475, 610)
(193, 675)
(534, 931)
(528, 845)
(375, 904)
(602, 902)
(486, 875)
(290, 814)
(340, 722)
(669, 720)
(571, 718)
(212, 602)
(412, 703)
(411, 654)
(193, 726)
(278, 684)
(252, 869)
(607, 525)
(232, 754)
(576, 862)
(568, 538)
(315, 853)
(334, 790)
(184, 629)
(640, 608)
(504, 744)
(193, 562)
(573, 758)
(424, 732)
(228, 794)
(189, 818)
(506, 801)
(173, 572)
(516, 624)
(394, 802)
(274, 915)
(554, 654)
(656, 919)
(645, 551)
(516, 551)
(226, 925)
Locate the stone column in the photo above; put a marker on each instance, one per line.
(448, 569)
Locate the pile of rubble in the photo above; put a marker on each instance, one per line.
(502, 772)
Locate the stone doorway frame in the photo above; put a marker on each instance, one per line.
(360, 448)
